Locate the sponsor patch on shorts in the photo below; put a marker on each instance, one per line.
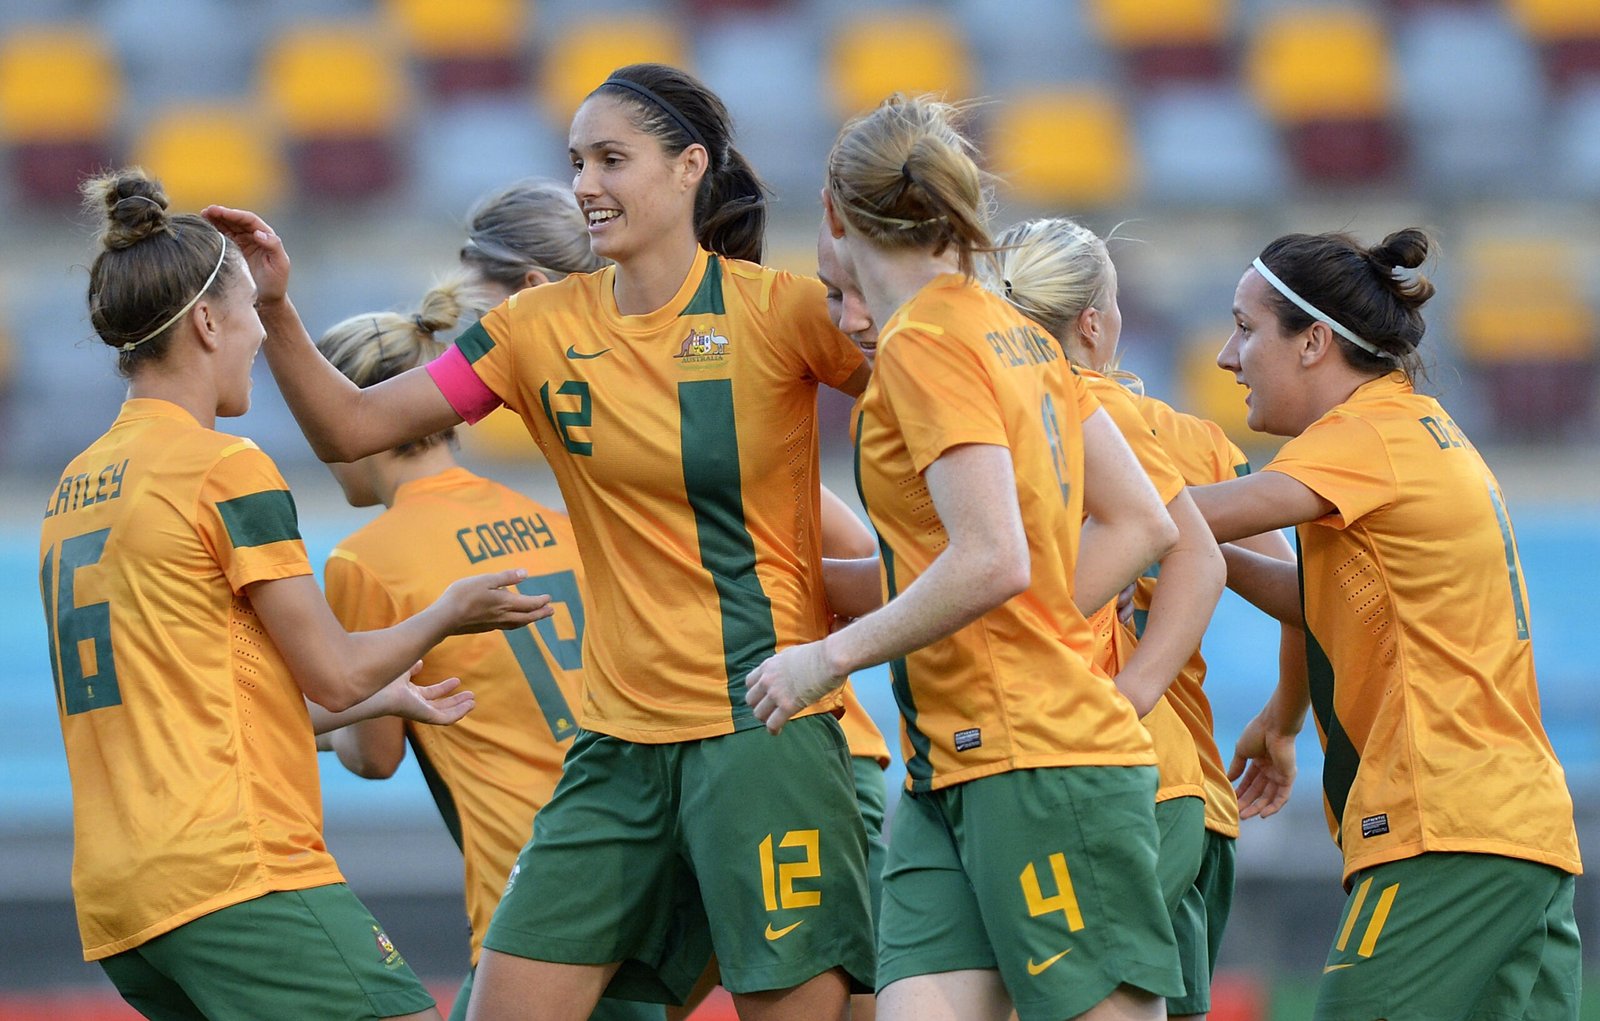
(1375, 825)
(968, 739)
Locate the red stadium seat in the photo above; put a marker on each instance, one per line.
(1568, 34)
(465, 47)
(1324, 76)
(1173, 41)
(337, 91)
(60, 89)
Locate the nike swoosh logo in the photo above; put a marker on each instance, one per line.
(777, 934)
(1336, 967)
(1038, 969)
(573, 352)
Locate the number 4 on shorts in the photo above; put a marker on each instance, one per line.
(1065, 899)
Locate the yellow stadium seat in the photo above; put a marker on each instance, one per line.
(1065, 148)
(460, 28)
(212, 153)
(907, 51)
(1523, 300)
(334, 79)
(584, 55)
(57, 83)
(1321, 63)
(1210, 392)
(1551, 20)
(1137, 23)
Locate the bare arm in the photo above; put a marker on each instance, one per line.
(850, 560)
(1191, 582)
(984, 563)
(342, 421)
(1264, 758)
(372, 748)
(1126, 528)
(1263, 569)
(1263, 502)
(337, 669)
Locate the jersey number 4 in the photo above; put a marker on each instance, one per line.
(80, 636)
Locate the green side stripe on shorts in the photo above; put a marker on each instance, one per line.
(919, 767)
(475, 342)
(710, 443)
(260, 519)
(1340, 758)
(707, 298)
(443, 800)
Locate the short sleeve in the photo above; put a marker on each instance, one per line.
(947, 399)
(357, 598)
(1088, 403)
(1142, 440)
(828, 356)
(1342, 459)
(485, 348)
(248, 520)
(1235, 460)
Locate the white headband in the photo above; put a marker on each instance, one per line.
(1316, 313)
(130, 345)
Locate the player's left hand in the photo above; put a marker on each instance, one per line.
(788, 682)
(1263, 768)
(436, 704)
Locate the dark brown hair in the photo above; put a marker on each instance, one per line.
(1369, 291)
(730, 209)
(150, 265)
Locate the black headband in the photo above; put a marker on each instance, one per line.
(668, 108)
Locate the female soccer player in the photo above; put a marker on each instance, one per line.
(490, 777)
(1011, 880)
(184, 627)
(528, 233)
(674, 394)
(1060, 274)
(1441, 787)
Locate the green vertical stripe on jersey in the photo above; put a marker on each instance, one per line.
(1340, 758)
(443, 800)
(707, 298)
(475, 342)
(260, 519)
(711, 480)
(920, 766)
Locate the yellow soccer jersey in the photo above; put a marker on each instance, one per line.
(685, 445)
(1203, 454)
(1418, 646)
(862, 735)
(494, 769)
(1181, 776)
(1015, 689)
(194, 768)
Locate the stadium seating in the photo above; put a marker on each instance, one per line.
(1568, 33)
(1576, 141)
(1063, 147)
(1323, 75)
(1173, 41)
(465, 46)
(338, 91)
(477, 144)
(1208, 146)
(1210, 392)
(1522, 321)
(60, 93)
(913, 51)
(212, 153)
(581, 55)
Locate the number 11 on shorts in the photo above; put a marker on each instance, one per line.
(1065, 899)
(778, 877)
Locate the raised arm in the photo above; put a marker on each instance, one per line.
(984, 563)
(337, 669)
(1125, 529)
(342, 421)
(1191, 582)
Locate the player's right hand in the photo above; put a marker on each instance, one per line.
(262, 248)
(490, 602)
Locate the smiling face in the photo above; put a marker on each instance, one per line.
(632, 193)
(846, 307)
(1266, 361)
(239, 336)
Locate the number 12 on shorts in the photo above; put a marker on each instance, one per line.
(778, 877)
(1065, 899)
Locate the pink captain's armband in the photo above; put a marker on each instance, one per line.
(468, 395)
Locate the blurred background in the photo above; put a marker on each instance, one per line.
(1199, 129)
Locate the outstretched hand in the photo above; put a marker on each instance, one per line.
(491, 602)
(263, 249)
(436, 704)
(786, 683)
(1264, 768)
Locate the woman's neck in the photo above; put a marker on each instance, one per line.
(175, 385)
(889, 277)
(648, 280)
(390, 471)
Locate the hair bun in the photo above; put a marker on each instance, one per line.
(132, 203)
(1396, 255)
(444, 305)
